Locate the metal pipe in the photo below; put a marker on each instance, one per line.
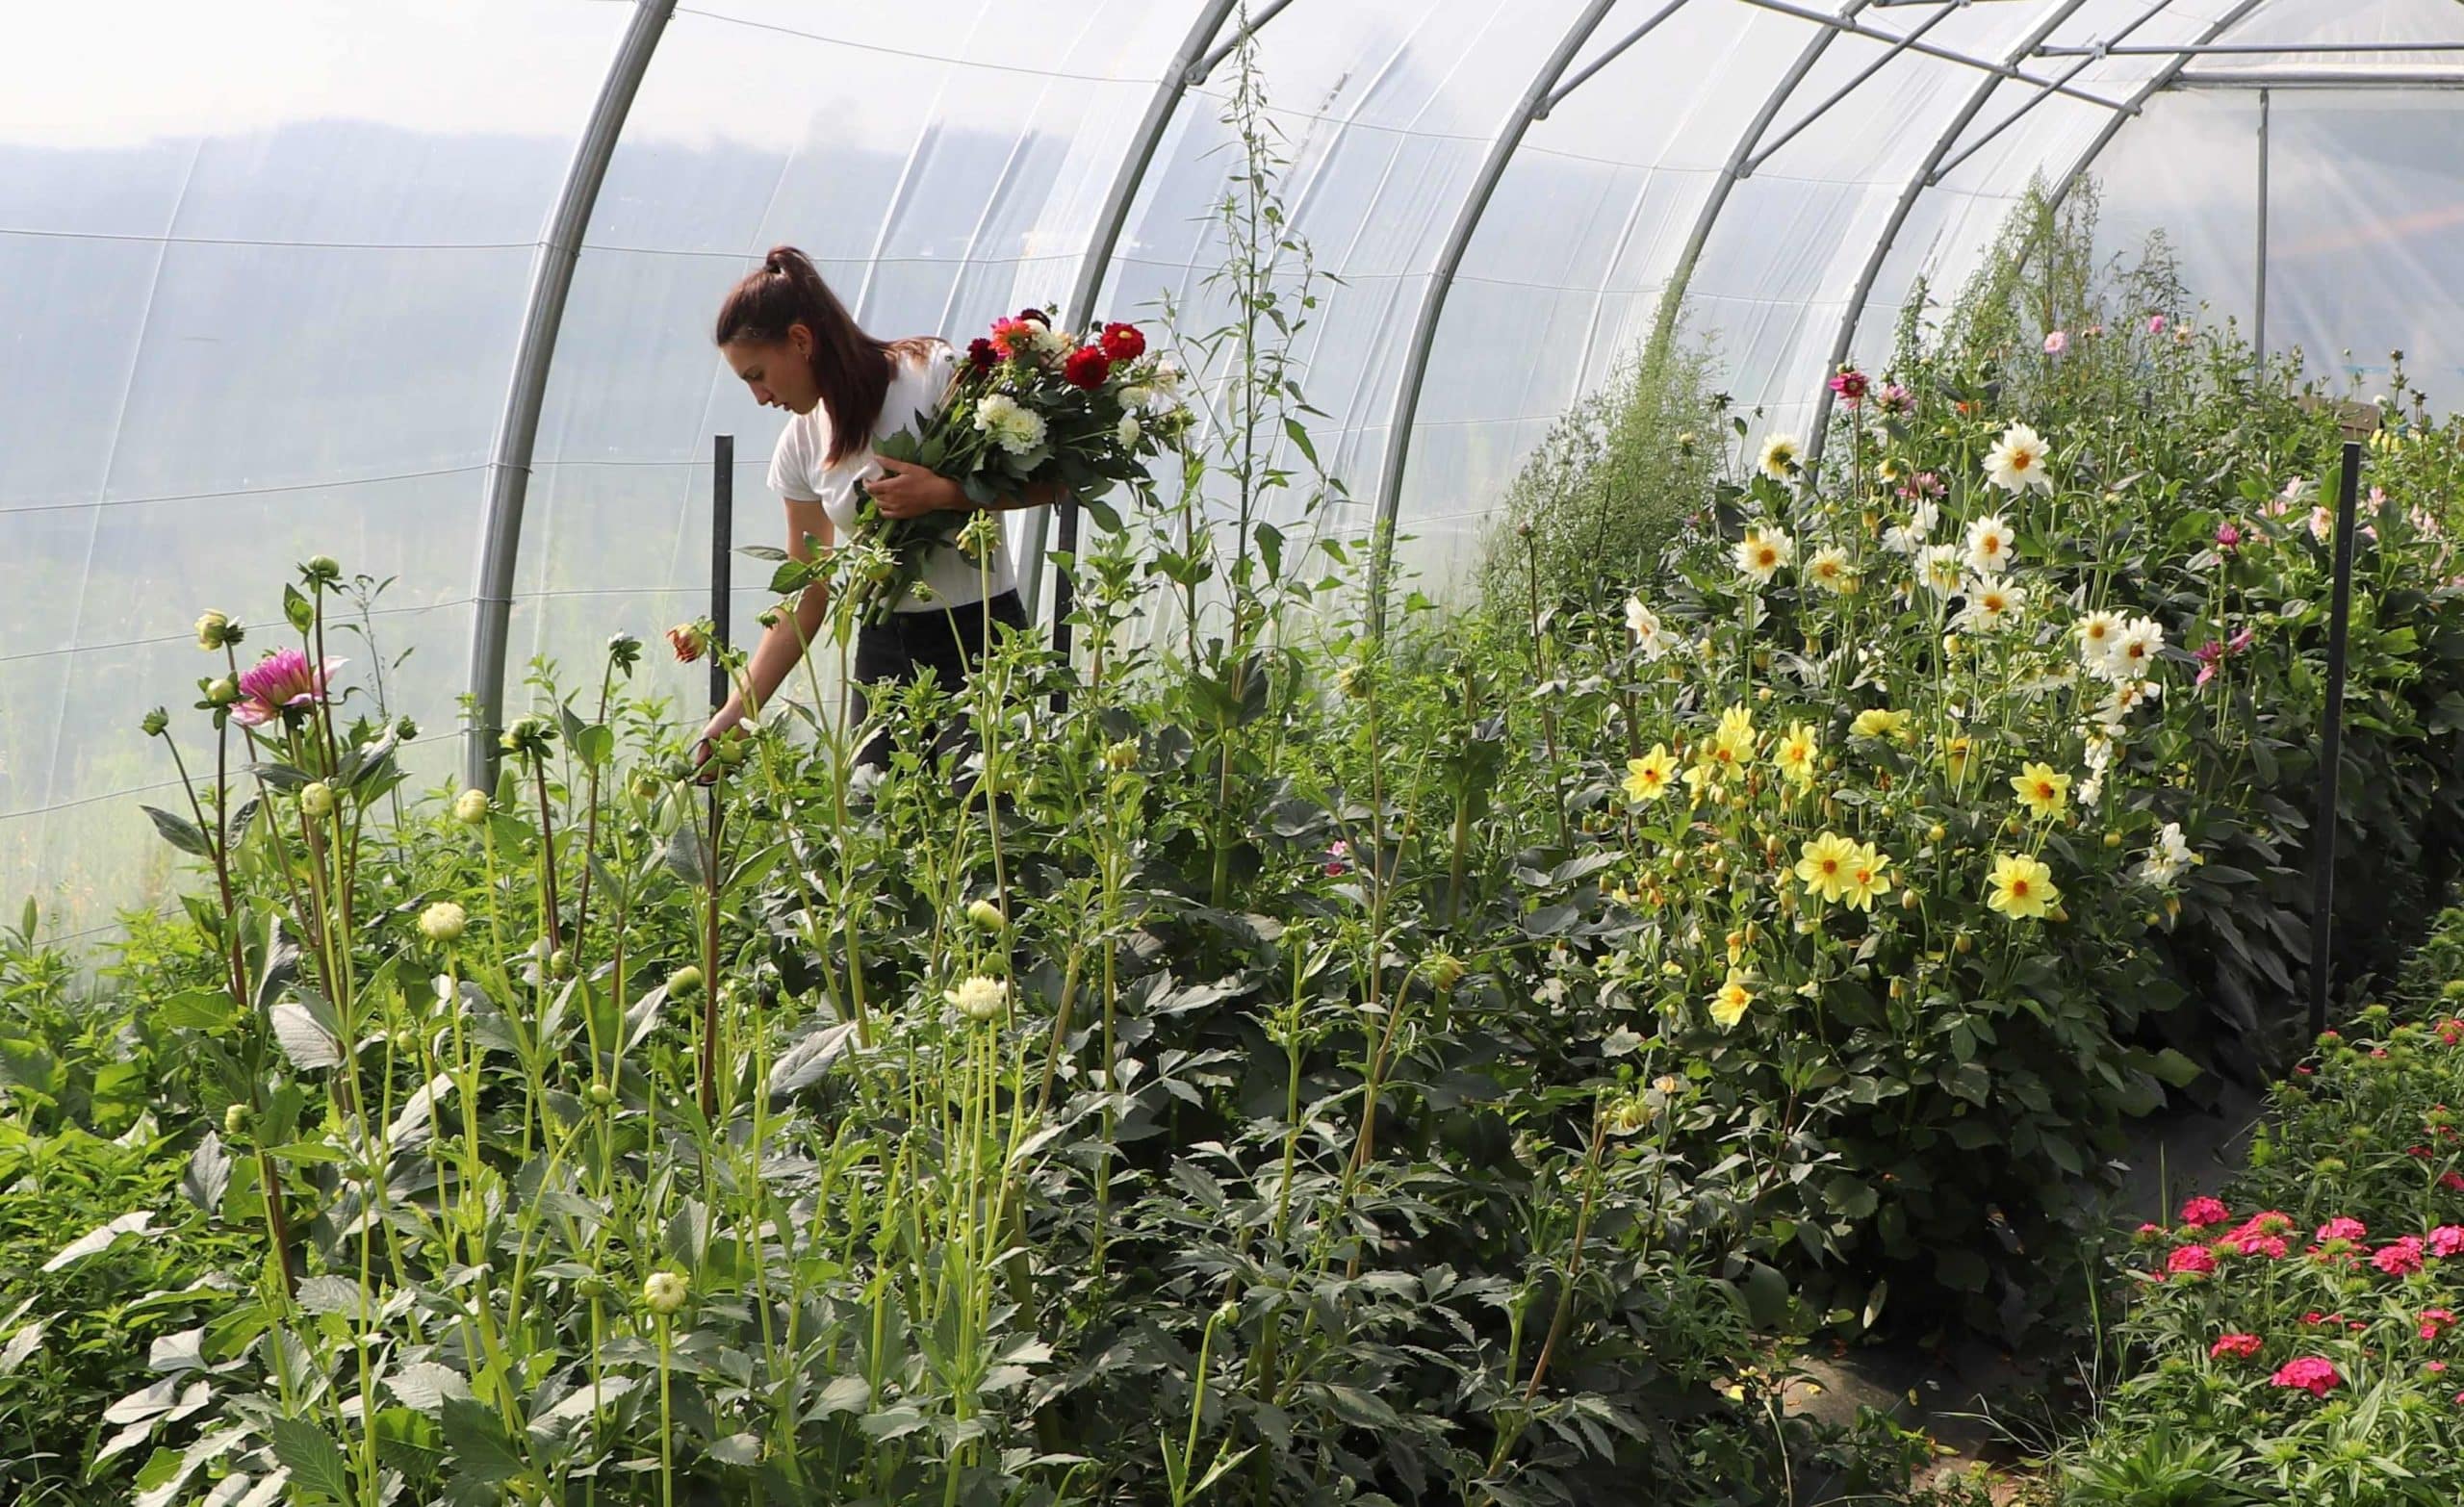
(2257, 49)
(1458, 240)
(2259, 318)
(1089, 285)
(1609, 54)
(2317, 80)
(2322, 860)
(2164, 77)
(1207, 64)
(1908, 196)
(2005, 70)
(551, 277)
(2035, 99)
(1681, 276)
(1915, 35)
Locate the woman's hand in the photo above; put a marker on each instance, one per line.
(705, 767)
(910, 491)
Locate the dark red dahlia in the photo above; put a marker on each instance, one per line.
(1123, 342)
(1087, 368)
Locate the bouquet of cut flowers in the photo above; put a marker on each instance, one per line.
(1029, 404)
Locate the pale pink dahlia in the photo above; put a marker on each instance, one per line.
(281, 681)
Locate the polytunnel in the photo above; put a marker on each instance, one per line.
(428, 287)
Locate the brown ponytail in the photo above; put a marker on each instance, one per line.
(851, 367)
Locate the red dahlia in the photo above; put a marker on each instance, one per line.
(1087, 368)
(1123, 342)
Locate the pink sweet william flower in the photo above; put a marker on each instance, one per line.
(2313, 1375)
(2436, 1367)
(2201, 1212)
(2234, 1347)
(279, 682)
(2191, 1261)
(2433, 1319)
(2270, 1247)
(2342, 1227)
(2447, 1240)
(2151, 1232)
(2398, 1258)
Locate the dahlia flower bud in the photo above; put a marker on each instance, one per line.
(317, 800)
(224, 691)
(529, 735)
(663, 1293)
(234, 1122)
(985, 915)
(1122, 756)
(624, 650)
(601, 1095)
(1446, 971)
(442, 921)
(405, 730)
(1628, 1115)
(684, 980)
(688, 641)
(213, 631)
(470, 808)
(155, 722)
(321, 570)
(561, 963)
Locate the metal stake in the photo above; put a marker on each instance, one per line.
(2259, 322)
(2323, 831)
(722, 528)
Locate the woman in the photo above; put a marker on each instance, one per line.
(796, 347)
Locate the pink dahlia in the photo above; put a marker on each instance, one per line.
(1852, 386)
(2155, 325)
(2056, 343)
(279, 682)
(2398, 1258)
(2201, 1212)
(1896, 399)
(2235, 1347)
(2313, 1375)
(2191, 1260)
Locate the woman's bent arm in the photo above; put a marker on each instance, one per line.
(782, 646)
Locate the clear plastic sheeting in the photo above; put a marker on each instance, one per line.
(264, 268)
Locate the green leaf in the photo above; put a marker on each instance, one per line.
(298, 609)
(1299, 437)
(2175, 1069)
(596, 744)
(315, 1461)
(179, 832)
(476, 1437)
(1961, 1270)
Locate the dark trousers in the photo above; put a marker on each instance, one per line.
(948, 643)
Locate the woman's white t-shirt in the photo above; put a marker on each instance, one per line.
(800, 470)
